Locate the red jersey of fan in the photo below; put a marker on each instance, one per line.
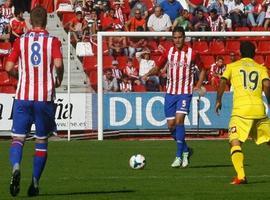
(35, 52)
(180, 69)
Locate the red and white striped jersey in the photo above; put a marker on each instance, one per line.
(216, 24)
(6, 12)
(180, 69)
(35, 52)
(125, 87)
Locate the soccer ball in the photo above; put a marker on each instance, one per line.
(137, 161)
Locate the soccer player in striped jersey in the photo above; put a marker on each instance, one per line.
(181, 61)
(37, 53)
(248, 79)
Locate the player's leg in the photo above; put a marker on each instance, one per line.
(39, 163)
(183, 106)
(170, 110)
(45, 124)
(239, 130)
(22, 121)
(237, 158)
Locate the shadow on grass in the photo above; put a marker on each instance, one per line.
(89, 193)
(210, 166)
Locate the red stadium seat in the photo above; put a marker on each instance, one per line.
(216, 47)
(122, 61)
(4, 78)
(207, 61)
(107, 61)
(67, 16)
(200, 46)
(267, 61)
(259, 59)
(89, 63)
(7, 89)
(263, 47)
(232, 46)
(243, 28)
(93, 79)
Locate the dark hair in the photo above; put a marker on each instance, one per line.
(247, 49)
(38, 17)
(219, 58)
(17, 12)
(179, 29)
(139, 29)
(213, 11)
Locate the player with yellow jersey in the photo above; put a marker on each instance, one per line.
(249, 80)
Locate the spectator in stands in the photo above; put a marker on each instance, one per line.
(183, 21)
(233, 57)
(199, 21)
(196, 4)
(6, 10)
(117, 45)
(255, 13)
(18, 26)
(119, 11)
(78, 6)
(222, 10)
(266, 5)
(131, 71)
(88, 7)
(138, 86)
(75, 25)
(215, 21)
(216, 72)
(109, 22)
(236, 13)
(136, 44)
(172, 8)
(159, 21)
(138, 4)
(109, 82)
(4, 28)
(137, 21)
(92, 24)
(125, 84)
(145, 65)
(116, 71)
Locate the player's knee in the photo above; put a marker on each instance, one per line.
(21, 139)
(41, 140)
(235, 143)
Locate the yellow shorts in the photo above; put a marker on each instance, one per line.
(240, 128)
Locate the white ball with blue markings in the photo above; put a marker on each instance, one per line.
(137, 161)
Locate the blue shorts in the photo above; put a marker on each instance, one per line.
(26, 113)
(176, 103)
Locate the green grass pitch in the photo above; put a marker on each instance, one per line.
(100, 170)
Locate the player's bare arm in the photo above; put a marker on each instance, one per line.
(59, 68)
(201, 78)
(11, 70)
(266, 89)
(153, 71)
(221, 89)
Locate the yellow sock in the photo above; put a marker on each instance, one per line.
(238, 161)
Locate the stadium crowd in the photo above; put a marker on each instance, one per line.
(128, 59)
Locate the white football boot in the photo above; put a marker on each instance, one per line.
(176, 163)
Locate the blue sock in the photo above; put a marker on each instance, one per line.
(180, 139)
(40, 159)
(15, 152)
(173, 133)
